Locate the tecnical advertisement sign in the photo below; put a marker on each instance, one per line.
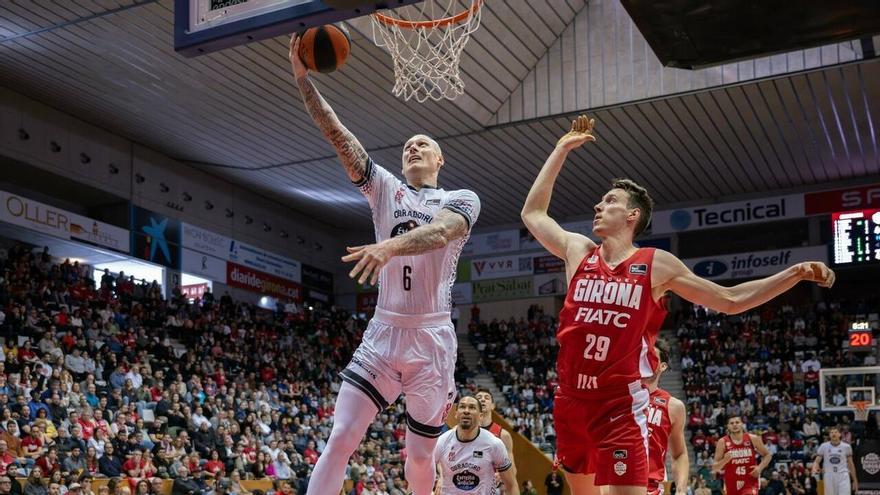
(728, 214)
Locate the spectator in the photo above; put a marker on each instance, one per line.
(554, 483)
(34, 484)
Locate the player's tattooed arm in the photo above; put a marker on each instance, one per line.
(446, 227)
(348, 148)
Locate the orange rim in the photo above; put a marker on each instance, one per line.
(861, 405)
(384, 19)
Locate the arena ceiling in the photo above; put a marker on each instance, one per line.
(794, 121)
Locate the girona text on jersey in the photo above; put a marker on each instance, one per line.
(608, 325)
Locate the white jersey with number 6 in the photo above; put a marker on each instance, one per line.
(421, 284)
(470, 467)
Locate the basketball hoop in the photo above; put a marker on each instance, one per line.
(425, 42)
(861, 410)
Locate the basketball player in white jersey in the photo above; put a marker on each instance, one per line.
(836, 459)
(409, 346)
(469, 456)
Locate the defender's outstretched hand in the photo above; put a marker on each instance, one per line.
(581, 132)
(816, 271)
(370, 260)
(299, 68)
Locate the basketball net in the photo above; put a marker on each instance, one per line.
(861, 410)
(426, 41)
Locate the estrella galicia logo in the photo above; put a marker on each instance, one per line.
(680, 219)
(465, 480)
(710, 268)
(403, 228)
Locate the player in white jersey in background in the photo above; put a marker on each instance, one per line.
(409, 346)
(836, 459)
(469, 456)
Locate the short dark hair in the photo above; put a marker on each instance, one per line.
(663, 348)
(485, 391)
(638, 198)
(479, 404)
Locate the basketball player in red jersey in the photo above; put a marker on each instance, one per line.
(610, 319)
(487, 423)
(666, 419)
(735, 457)
(485, 397)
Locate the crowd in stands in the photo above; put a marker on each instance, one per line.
(106, 379)
(764, 366)
(521, 357)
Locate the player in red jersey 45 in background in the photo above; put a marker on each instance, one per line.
(666, 419)
(611, 317)
(735, 456)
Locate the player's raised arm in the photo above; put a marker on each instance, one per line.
(677, 446)
(671, 274)
(350, 151)
(534, 213)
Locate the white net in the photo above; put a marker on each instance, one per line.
(425, 42)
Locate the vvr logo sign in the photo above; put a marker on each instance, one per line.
(710, 268)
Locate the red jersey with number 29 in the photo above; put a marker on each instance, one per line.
(608, 326)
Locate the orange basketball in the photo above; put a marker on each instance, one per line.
(325, 48)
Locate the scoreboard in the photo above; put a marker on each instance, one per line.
(861, 336)
(856, 237)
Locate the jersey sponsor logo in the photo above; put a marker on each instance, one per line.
(451, 455)
(592, 260)
(416, 215)
(871, 463)
(620, 454)
(587, 382)
(592, 290)
(403, 228)
(465, 480)
(740, 484)
(431, 202)
(834, 459)
(602, 317)
(360, 364)
(478, 454)
(640, 269)
(655, 415)
(620, 468)
(398, 196)
(660, 400)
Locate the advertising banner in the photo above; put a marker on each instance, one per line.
(754, 264)
(155, 237)
(462, 293)
(728, 214)
(205, 241)
(500, 266)
(56, 222)
(851, 198)
(549, 284)
(503, 288)
(548, 264)
(203, 265)
(194, 291)
(246, 278)
(317, 278)
(492, 242)
(264, 261)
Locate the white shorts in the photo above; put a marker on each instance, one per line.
(410, 354)
(837, 483)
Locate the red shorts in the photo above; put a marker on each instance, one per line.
(741, 485)
(655, 487)
(605, 436)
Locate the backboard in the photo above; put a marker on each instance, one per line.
(205, 26)
(840, 388)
